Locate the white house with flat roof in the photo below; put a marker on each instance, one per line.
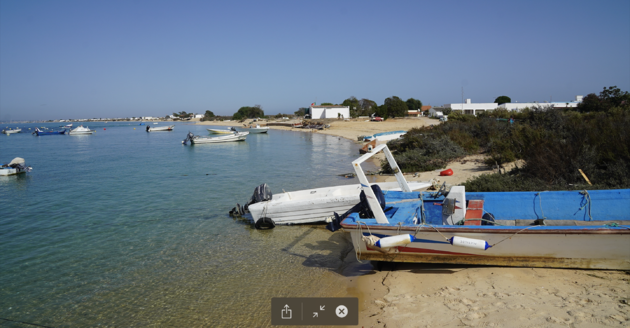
(332, 111)
(469, 108)
(516, 106)
(474, 108)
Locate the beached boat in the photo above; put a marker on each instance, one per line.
(228, 130)
(10, 131)
(315, 205)
(81, 130)
(16, 166)
(39, 132)
(258, 129)
(561, 229)
(159, 128)
(235, 136)
(385, 136)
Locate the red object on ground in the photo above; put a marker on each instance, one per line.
(104, 129)
(447, 172)
(377, 119)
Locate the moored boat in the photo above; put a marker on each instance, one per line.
(10, 131)
(16, 166)
(81, 130)
(258, 129)
(39, 132)
(561, 229)
(235, 136)
(228, 130)
(160, 128)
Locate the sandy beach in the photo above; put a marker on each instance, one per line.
(433, 295)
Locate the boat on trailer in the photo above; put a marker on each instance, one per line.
(314, 205)
(587, 229)
(16, 166)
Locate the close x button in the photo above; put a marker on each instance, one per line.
(315, 311)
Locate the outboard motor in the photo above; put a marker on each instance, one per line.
(365, 211)
(189, 137)
(262, 193)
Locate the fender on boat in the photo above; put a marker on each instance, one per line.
(265, 224)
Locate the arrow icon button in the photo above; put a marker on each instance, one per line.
(321, 307)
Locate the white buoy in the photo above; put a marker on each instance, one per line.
(391, 241)
(469, 242)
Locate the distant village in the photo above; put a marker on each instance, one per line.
(339, 111)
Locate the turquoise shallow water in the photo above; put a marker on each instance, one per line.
(128, 228)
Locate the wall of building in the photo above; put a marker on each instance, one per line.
(322, 112)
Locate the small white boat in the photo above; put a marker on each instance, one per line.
(10, 131)
(385, 136)
(81, 130)
(16, 166)
(258, 129)
(228, 130)
(235, 136)
(160, 128)
(316, 205)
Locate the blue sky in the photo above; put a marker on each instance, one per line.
(83, 59)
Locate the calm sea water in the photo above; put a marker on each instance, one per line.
(128, 228)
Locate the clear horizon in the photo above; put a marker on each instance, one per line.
(80, 60)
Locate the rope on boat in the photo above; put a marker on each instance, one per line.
(516, 233)
(357, 248)
(587, 197)
(541, 209)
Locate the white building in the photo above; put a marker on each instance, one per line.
(333, 111)
(470, 108)
(474, 108)
(556, 104)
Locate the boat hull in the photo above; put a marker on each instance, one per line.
(7, 132)
(241, 136)
(315, 205)
(593, 248)
(258, 130)
(49, 133)
(161, 128)
(220, 131)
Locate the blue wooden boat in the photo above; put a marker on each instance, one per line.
(39, 132)
(587, 229)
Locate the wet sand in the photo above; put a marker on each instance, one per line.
(434, 295)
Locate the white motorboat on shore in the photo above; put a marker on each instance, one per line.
(160, 128)
(228, 130)
(235, 136)
(16, 166)
(258, 129)
(385, 136)
(81, 130)
(315, 205)
(10, 131)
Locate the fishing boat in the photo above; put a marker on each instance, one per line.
(16, 166)
(68, 126)
(81, 130)
(228, 130)
(559, 229)
(39, 132)
(313, 205)
(159, 128)
(385, 136)
(258, 129)
(8, 131)
(235, 136)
